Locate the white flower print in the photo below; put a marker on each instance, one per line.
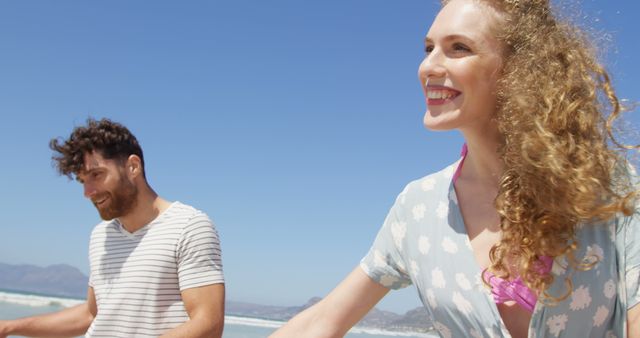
(437, 279)
(475, 334)
(480, 285)
(415, 269)
(600, 316)
(612, 231)
(431, 299)
(463, 282)
(398, 231)
(557, 323)
(559, 266)
(449, 246)
(402, 198)
(448, 172)
(378, 259)
(467, 242)
(463, 305)
(594, 254)
(632, 277)
(453, 197)
(580, 298)
(609, 289)
(388, 280)
(445, 332)
(428, 184)
(442, 210)
(610, 334)
(418, 211)
(424, 245)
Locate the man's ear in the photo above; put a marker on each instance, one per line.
(134, 166)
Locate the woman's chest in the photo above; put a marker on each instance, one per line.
(445, 266)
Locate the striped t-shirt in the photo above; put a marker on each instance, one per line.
(137, 277)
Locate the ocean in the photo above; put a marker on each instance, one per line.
(16, 305)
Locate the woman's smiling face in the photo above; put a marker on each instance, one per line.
(461, 68)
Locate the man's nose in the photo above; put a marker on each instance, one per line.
(89, 190)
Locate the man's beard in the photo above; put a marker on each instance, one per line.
(119, 202)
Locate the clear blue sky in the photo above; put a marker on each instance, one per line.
(293, 124)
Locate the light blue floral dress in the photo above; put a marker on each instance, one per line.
(424, 242)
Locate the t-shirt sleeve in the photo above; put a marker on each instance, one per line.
(384, 263)
(199, 254)
(90, 281)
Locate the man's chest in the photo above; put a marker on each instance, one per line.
(118, 258)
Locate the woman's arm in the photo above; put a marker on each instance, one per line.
(633, 322)
(337, 312)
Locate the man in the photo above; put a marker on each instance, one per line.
(155, 265)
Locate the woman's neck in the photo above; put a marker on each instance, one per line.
(482, 164)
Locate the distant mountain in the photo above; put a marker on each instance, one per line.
(55, 280)
(415, 320)
(270, 312)
(66, 281)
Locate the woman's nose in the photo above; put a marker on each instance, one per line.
(433, 65)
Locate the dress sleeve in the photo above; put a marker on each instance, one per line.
(632, 258)
(631, 230)
(384, 263)
(199, 255)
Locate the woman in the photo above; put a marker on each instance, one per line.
(532, 232)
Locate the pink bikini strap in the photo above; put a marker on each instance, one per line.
(463, 153)
(506, 290)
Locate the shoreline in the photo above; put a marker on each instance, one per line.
(35, 300)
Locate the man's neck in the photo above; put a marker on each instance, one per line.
(149, 205)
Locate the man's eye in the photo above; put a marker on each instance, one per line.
(428, 49)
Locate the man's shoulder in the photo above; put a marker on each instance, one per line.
(180, 209)
(184, 215)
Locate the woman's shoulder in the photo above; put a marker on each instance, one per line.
(434, 184)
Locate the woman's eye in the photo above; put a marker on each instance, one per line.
(428, 49)
(461, 47)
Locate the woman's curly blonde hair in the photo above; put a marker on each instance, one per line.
(563, 166)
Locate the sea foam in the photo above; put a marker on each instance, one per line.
(38, 300)
(234, 320)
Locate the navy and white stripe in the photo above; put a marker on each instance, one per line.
(137, 277)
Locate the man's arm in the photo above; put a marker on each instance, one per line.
(70, 322)
(205, 307)
(633, 322)
(337, 312)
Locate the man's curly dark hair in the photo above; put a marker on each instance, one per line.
(110, 139)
